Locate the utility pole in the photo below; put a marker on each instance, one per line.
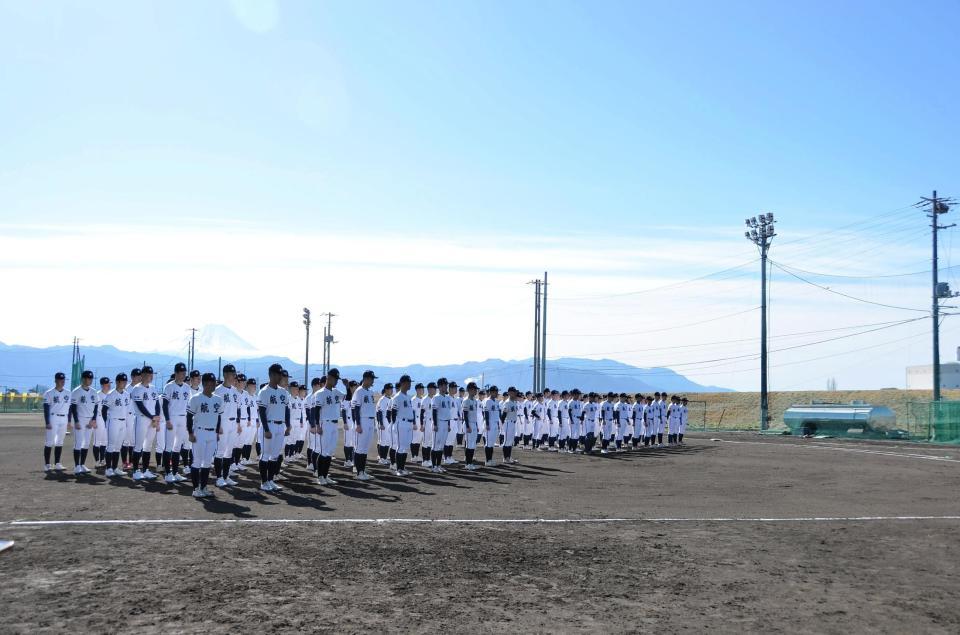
(543, 335)
(306, 355)
(191, 355)
(935, 206)
(328, 342)
(761, 232)
(536, 334)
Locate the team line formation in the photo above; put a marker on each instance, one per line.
(208, 424)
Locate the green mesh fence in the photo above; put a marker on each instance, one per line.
(944, 422)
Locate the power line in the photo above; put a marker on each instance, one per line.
(668, 328)
(888, 275)
(840, 293)
(666, 286)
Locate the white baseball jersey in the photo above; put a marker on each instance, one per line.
(206, 411)
(86, 400)
(363, 401)
(275, 401)
(329, 400)
(402, 406)
(117, 404)
(470, 413)
(177, 397)
(231, 401)
(491, 411)
(58, 401)
(146, 395)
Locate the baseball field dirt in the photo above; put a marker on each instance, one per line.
(731, 532)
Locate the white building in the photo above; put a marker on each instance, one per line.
(921, 377)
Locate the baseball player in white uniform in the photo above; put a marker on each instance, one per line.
(491, 424)
(577, 434)
(563, 407)
(426, 424)
(416, 439)
(98, 440)
(402, 415)
(115, 408)
(176, 396)
(147, 405)
(230, 427)
(364, 416)
(204, 418)
(588, 421)
(607, 413)
(327, 409)
(683, 420)
(185, 458)
(349, 426)
(384, 430)
(441, 407)
(553, 420)
(130, 436)
(470, 415)
(455, 423)
(56, 412)
(252, 423)
(624, 414)
(273, 405)
(84, 404)
(508, 420)
(313, 440)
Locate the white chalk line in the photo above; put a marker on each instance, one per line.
(824, 446)
(469, 521)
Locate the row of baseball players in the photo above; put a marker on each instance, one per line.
(121, 424)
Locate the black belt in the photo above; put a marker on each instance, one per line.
(331, 421)
(269, 421)
(118, 420)
(232, 419)
(208, 429)
(58, 415)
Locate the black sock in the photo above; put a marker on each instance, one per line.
(217, 464)
(347, 454)
(83, 456)
(488, 452)
(183, 455)
(468, 453)
(447, 451)
(680, 437)
(46, 454)
(259, 454)
(507, 451)
(436, 457)
(459, 438)
(195, 477)
(246, 452)
(116, 460)
(264, 471)
(96, 453)
(174, 462)
(660, 438)
(327, 460)
(426, 453)
(123, 453)
(392, 455)
(165, 462)
(145, 460)
(76, 457)
(204, 477)
(414, 449)
(401, 460)
(135, 459)
(279, 462)
(300, 446)
(237, 452)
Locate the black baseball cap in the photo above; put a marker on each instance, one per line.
(418, 387)
(275, 368)
(353, 383)
(335, 372)
(179, 367)
(387, 386)
(442, 380)
(241, 377)
(453, 384)
(294, 384)
(208, 377)
(146, 370)
(432, 384)
(284, 373)
(87, 374)
(135, 372)
(370, 374)
(59, 376)
(104, 381)
(121, 377)
(229, 368)
(194, 373)
(472, 385)
(251, 382)
(315, 381)
(404, 378)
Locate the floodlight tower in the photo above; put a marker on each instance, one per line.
(306, 356)
(760, 231)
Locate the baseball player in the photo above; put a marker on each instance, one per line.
(553, 420)
(683, 421)
(588, 421)
(253, 423)
(481, 399)
(508, 419)
(563, 408)
(56, 412)
(455, 423)
(426, 424)
(204, 419)
(491, 423)
(313, 441)
(364, 417)
(661, 417)
(384, 432)
(607, 418)
(147, 405)
(114, 409)
(246, 406)
(637, 418)
(129, 437)
(538, 412)
(273, 405)
(84, 405)
(194, 382)
(349, 426)
(470, 415)
(417, 437)
(176, 396)
(230, 427)
(402, 414)
(461, 395)
(441, 410)
(327, 409)
(98, 441)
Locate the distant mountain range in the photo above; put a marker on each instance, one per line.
(24, 367)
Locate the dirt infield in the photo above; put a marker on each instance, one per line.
(745, 533)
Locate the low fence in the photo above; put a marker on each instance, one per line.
(21, 402)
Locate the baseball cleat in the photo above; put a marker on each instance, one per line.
(221, 482)
(266, 487)
(109, 472)
(148, 474)
(47, 467)
(330, 481)
(169, 478)
(230, 481)
(59, 467)
(197, 493)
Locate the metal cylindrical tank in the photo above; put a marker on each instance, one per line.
(837, 418)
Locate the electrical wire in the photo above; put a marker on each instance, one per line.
(840, 293)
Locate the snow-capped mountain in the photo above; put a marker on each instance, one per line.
(215, 340)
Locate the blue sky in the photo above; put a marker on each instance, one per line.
(618, 144)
